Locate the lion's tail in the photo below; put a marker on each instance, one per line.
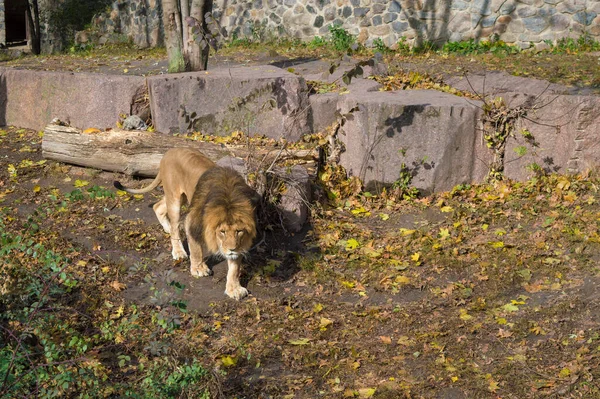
(143, 190)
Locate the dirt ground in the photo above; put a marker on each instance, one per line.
(487, 291)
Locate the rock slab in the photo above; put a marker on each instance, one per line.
(430, 135)
(31, 99)
(263, 100)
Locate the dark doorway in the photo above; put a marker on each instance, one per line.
(15, 12)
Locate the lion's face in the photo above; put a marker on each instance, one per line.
(233, 239)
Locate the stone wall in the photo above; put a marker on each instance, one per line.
(519, 22)
(139, 20)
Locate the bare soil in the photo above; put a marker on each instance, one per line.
(487, 291)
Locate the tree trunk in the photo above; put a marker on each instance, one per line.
(173, 35)
(197, 48)
(136, 152)
(33, 25)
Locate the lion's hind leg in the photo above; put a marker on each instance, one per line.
(173, 206)
(160, 209)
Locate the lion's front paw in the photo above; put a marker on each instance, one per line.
(200, 270)
(237, 293)
(179, 254)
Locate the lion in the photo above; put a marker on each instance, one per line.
(221, 214)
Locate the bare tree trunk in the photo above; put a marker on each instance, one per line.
(198, 49)
(183, 21)
(33, 19)
(173, 35)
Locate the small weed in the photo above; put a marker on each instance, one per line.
(569, 45)
(403, 47)
(380, 46)
(341, 40)
(470, 47)
(317, 42)
(402, 186)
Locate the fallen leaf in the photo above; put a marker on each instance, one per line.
(117, 286)
(81, 183)
(385, 339)
(228, 361)
(352, 244)
(299, 341)
(325, 322)
(384, 216)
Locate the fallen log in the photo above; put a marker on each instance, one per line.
(137, 152)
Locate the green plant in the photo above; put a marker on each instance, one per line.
(469, 47)
(317, 42)
(341, 40)
(403, 47)
(380, 46)
(402, 186)
(425, 47)
(570, 45)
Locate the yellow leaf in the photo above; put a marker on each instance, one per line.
(317, 308)
(36, 188)
(105, 269)
(81, 183)
(138, 196)
(299, 341)
(464, 315)
(493, 387)
(484, 227)
(565, 372)
(352, 244)
(125, 70)
(406, 232)
(509, 307)
(91, 130)
(416, 256)
(348, 284)
(366, 392)
(402, 280)
(360, 211)
(454, 378)
(497, 244)
(384, 216)
(12, 171)
(228, 361)
(81, 263)
(325, 322)
(446, 209)
(444, 233)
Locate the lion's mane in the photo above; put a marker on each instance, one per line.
(222, 197)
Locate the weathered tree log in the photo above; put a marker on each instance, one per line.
(134, 152)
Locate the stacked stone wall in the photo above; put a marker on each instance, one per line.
(138, 20)
(519, 22)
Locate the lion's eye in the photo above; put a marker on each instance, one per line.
(239, 232)
(222, 232)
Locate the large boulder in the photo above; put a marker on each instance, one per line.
(263, 100)
(566, 130)
(31, 99)
(563, 123)
(428, 135)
